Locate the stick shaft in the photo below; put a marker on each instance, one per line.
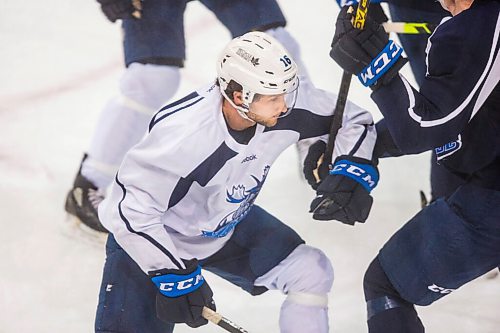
(359, 23)
(338, 115)
(409, 27)
(361, 13)
(219, 320)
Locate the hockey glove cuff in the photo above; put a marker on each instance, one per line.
(358, 169)
(182, 294)
(344, 195)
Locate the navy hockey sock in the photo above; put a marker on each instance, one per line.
(397, 320)
(387, 311)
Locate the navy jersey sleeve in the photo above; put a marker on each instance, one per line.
(463, 67)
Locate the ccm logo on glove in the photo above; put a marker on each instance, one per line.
(172, 285)
(389, 55)
(364, 174)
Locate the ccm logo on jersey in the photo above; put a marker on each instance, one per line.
(440, 290)
(384, 60)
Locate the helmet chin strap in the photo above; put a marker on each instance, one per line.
(241, 110)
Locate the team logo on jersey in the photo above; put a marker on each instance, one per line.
(448, 149)
(245, 198)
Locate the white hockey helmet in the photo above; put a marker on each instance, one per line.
(261, 65)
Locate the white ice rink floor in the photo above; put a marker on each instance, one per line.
(59, 63)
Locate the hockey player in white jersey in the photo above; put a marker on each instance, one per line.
(183, 198)
(154, 51)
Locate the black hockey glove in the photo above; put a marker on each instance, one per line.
(367, 53)
(377, 13)
(344, 195)
(182, 294)
(121, 9)
(314, 162)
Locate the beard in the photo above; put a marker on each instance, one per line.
(267, 122)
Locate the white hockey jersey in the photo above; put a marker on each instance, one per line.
(180, 192)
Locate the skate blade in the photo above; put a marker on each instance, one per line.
(75, 229)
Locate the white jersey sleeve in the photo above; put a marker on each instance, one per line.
(357, 135)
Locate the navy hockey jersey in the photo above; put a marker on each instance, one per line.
(457, 110)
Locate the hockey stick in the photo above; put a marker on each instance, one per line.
(219, 320)
(412, 28)
(359, 23)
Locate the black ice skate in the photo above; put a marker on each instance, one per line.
(82, 202)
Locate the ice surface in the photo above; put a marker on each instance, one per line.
(59, 62)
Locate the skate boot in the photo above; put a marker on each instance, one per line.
(82, 202)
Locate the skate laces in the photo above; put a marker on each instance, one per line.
(95, 197)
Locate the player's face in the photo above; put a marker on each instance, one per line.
(267, 109)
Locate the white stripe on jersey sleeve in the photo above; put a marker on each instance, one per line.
(492, 80)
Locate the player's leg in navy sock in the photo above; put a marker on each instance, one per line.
(387, 311)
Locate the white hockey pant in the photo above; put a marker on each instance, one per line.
(143, 89)
(306, 277)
